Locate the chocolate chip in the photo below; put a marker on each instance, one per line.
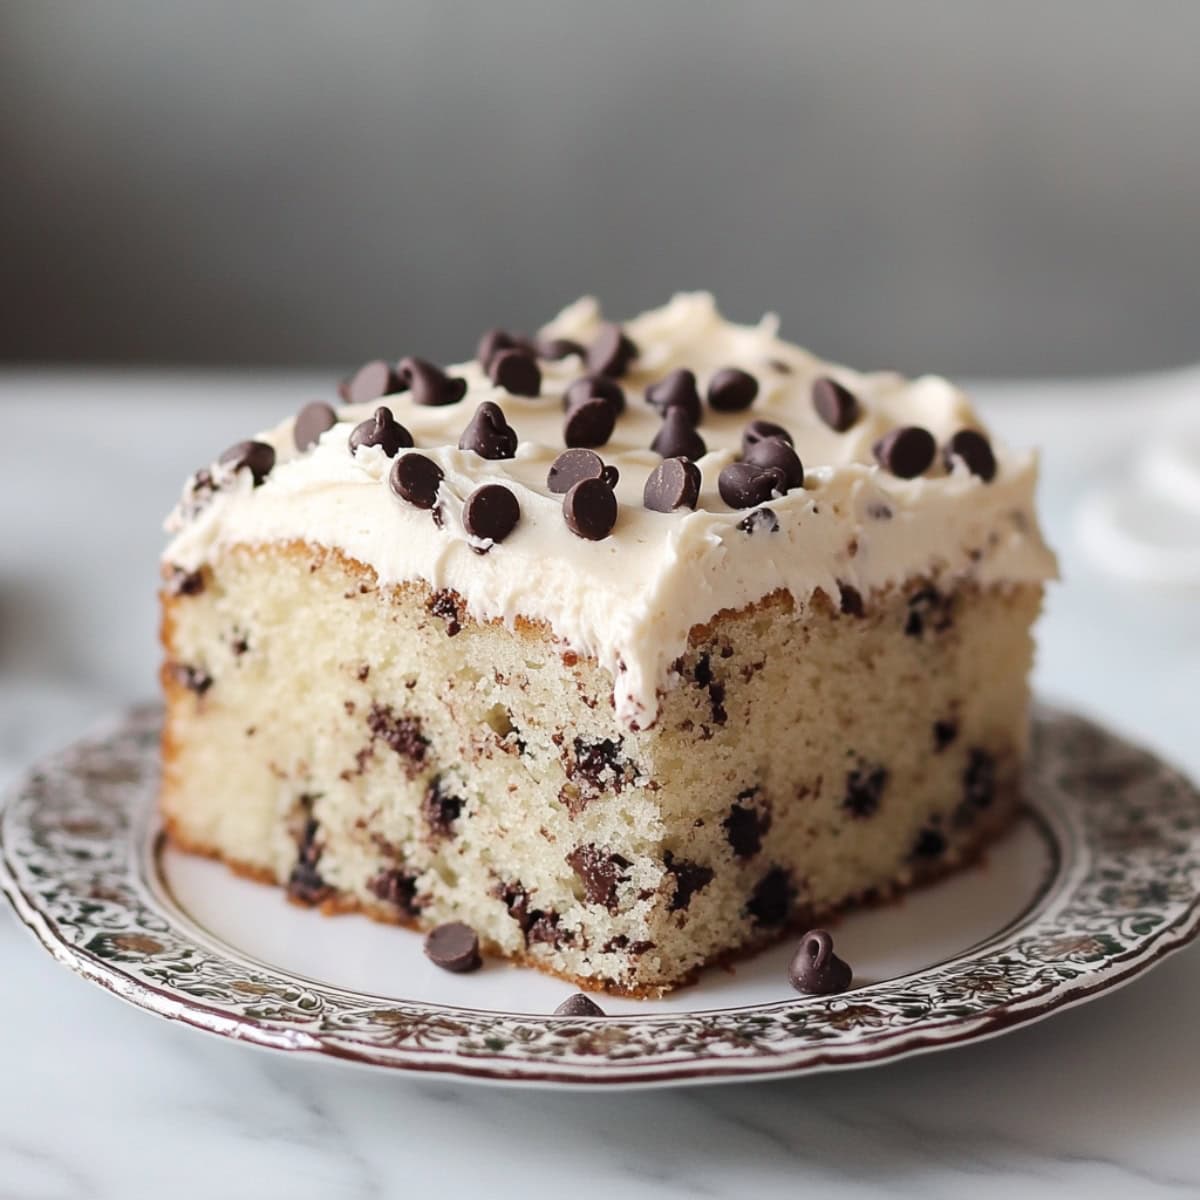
(907, 452)
(491, 512)
(305, 884)
(815, 969)
(399, 732)
(771, 901)
(775, 452)
(732, 390)
(944, 732)
(416, 479)
(600, 873)
(184, 583)
(929, 609)
(611, 352)
(851, 601)
(930, 843)
(440, 810)
(579, 1005)
(382, 430)
(590, 509)
(761, 520)
(756, 431)
(516, 371)
(257, 456)
(489, 434)
(979, 779)
(590, 423)
(591, 386)
(610, 475)
(745, 484)
(975, 450)
(677, 437)
(454, 947)
(745, 825)
(837, 406)
(312, 421)
(570, 467)
(398, 887)
(674, 483)
(864, 790)
(447, 605)
(492, 342)
(556, 349)
(690, 877)
(677, 390)
(193, 678)
(599, 764)
(430, 385)
(371, 381)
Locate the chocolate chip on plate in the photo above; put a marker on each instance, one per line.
(312, 421)
(489, 434)
(382, 430)
(592, 386)
(590, 509)
(837, 406)
(907, 452)
(430, 385)
(975, 450)
(611, 352)
(756, 431)
(677, 437)
(775, 452)
(371, 381)
(732, 390)
(677, 390)
(579, 1005)
(747, 485)
(556, 349)
(674, 483)
(257, 456)
(516, 371)
(815, 968)
(491, 511)
(570, 467)
(416, 479)
(454, 947)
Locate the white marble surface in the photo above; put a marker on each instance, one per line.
(100, 1100)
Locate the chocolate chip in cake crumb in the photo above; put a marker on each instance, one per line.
(746, 485)
(973, 449)
(399, 887)
(382, 430)
(556, 349)
(312, 421)
(906, 452)
(599, 764)
(600, 873)
(851, 601)
(979, 779)
(416, 479)
(440, 809)
(836, 405)
(944, 732)
(757, 430)
(676, 390)
(930, 843)
(590, 509)
(570, 467)
(689, 878)
(489, 434)
(864, 790)
(732, 390)
(771, 901)
(590, 422)
(929, 610)
(761, 520)
(815, 970)
(193, 678)
(399, 732)
(181, 582)
(579, 1005)
(257, 457)
(447, 605)
(430, 385)
(673, 484)
(746, 824)
(516, 371)
(677, 437)
(611, 352)
(775, 452)
(305, 884)
(454, 947)
(491, 512)
(372, 381)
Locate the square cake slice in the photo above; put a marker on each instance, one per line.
(629, 646)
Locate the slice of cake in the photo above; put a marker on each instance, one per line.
(628, 646)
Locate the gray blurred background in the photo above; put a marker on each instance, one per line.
(982, 188)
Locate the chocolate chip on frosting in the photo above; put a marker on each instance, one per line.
(258, 457)
(775, 452)
(837, 406)
(416, 479)
(611, 352)
(492, 512)
(371, 381)
(732, 390)
(570, 467)
(975, 450)
(579, 1005)
(382, 430)
(430, 385)
(516, 371)
(312, 421)
(756, 431)
(590, 509)
(674, 483)
(492, 342)
(815, 969)
(556, 349)
(488, 434)
(454, 947)
(677, 437)
(592, 386)
(747, 485)
(677, 390)
(906, 452)
(590, 422)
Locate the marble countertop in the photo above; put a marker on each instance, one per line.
(101, 1100)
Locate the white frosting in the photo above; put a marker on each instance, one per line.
(630, 600)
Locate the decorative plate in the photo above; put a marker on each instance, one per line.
(1099, 881)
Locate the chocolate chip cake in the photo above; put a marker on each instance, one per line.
(629, 646)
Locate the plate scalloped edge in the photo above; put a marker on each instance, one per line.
(1125, 895)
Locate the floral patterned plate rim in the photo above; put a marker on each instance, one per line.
(1121, 891)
